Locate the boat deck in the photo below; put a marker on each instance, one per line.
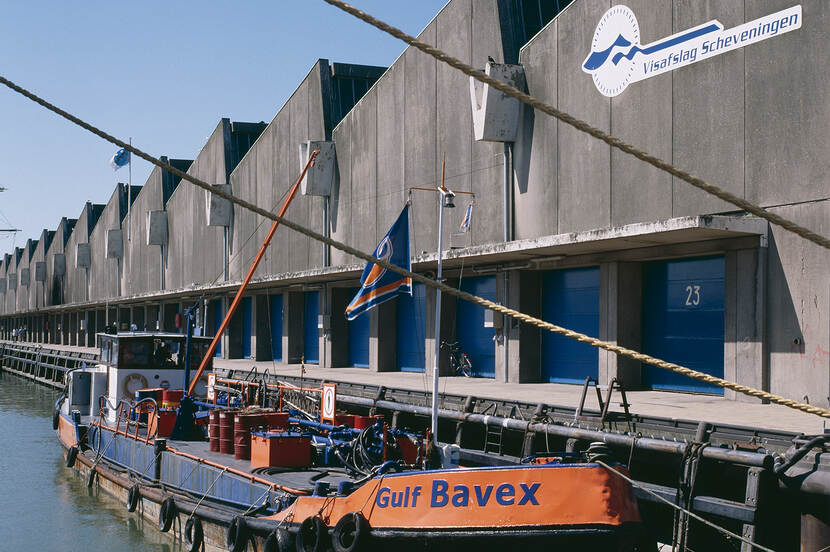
(295, 478)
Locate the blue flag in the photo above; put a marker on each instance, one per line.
(120, 159)
(377, 283)
(468, 218)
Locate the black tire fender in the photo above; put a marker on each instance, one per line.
(313, 535)
(167, 514)
(279, 540)
(71, 456)
(133, 496)
(351, 533)
(238, 532)
(90, 478)
(56, 417)
(194, 534)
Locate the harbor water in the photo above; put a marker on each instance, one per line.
(43, 505)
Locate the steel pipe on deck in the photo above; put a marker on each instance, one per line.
(750, 459)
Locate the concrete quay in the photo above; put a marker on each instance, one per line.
(680, 406)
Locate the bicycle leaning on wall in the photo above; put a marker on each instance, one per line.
(459, 361)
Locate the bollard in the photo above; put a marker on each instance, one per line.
(159, 446)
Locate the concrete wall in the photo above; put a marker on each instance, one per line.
(396, 136)
(54, 283)
(104, 274)
(141, 261)
(77, 279)
(187, 220)
(266, 173)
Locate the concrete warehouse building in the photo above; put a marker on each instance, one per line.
(563, 227)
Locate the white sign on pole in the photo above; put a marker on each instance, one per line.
(327, 409)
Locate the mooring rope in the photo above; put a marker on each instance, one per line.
(527, 319)
(582, 126)
(684, 510)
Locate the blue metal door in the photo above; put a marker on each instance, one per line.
(311, 343)
(216, 312)
(247, 313)
(570, 298)
(473, 337)
(359, 338)
(683, 321)
(275, 320)
(411, 330)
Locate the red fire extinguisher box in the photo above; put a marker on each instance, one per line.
(282, 449)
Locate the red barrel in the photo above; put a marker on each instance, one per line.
(170, 398)
(277, 420)
(213, 430)
(226, 431)
(362, 422)
(242, 434)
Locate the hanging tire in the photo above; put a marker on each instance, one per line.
(351, 533)
(238, 533)
(279, 540)
(71, 456)
(133, 496)
(194, 534)
(90, 478)
(56, 418)
(313, 536)
(167, 514)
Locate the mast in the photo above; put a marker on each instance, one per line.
(445, 195)
(238, 298)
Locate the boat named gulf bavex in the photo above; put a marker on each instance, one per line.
(270, 467)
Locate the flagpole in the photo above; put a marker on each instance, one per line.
(129, 192)
(434, 426)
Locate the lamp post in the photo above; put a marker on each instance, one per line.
(447, 201)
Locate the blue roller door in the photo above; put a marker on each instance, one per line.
(216, 313)
(474, 338)
(359, 338)
(275, 320)
(411, 330)
(311, 343)
(247, 314)
(570, 298)
(683, 321)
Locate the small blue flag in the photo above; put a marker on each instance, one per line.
(377, 283)
(120, 159)
(468, 217)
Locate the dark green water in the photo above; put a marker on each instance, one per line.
(43, 505)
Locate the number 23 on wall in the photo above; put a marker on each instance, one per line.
(692, 295)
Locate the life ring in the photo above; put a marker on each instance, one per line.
(127, 386)
(194, 534)
(90, 478)
(237, 537)
(56, 417)
(133, 496)
(279, 540)
(167, 513)
(313, 535)
(350, 533)
(70, 456)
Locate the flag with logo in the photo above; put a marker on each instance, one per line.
(378, 284)
(468, 218)
(120, 159)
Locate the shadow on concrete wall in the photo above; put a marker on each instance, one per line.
(784, 332)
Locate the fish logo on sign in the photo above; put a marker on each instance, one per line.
(617, 58)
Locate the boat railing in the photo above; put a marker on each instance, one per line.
(127, 410)
(306, 399)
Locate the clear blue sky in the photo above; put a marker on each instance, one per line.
(163, 73)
